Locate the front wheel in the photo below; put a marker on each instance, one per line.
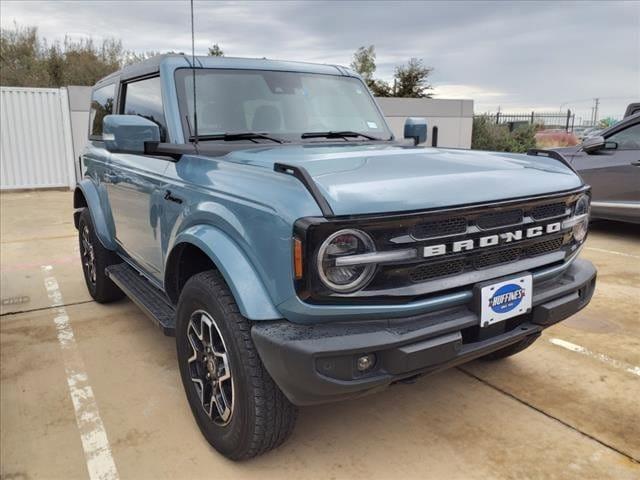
(95, 259)
(237, 406)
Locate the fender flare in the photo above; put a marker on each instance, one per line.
(92, 198)
(248, 289)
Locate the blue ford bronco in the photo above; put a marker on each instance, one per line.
(263, 213)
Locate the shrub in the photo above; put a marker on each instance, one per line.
(487, 135)
(555, 139)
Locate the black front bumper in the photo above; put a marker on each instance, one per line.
(317, 363)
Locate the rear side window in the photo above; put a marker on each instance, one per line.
(144, 98)
(627, 139)
(101, 106)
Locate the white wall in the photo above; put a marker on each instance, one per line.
(36, 149)
(454, 118)
(79, 102)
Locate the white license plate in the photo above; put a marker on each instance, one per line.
(506, 299)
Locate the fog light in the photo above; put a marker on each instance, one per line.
(366, 362)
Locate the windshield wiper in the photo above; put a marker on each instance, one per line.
(340, 134)
(229, 137)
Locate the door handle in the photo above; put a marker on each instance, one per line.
(111, 177)
(636, 163)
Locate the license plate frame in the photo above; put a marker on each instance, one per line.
(502, 299)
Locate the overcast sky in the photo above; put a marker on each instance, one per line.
(519, 55)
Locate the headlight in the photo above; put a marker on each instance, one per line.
(340, 244)
(581, 209)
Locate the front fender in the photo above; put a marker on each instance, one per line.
(92, 198)
(247, 288)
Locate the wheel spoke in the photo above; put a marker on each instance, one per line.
(222, 404)
(209, 367)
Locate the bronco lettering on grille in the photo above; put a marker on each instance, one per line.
(490, 240)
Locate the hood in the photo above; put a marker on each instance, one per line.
(367, 179)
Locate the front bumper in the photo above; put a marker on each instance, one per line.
(316, 363)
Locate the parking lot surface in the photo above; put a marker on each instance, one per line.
(89, 389)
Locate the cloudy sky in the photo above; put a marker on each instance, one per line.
(513, 55)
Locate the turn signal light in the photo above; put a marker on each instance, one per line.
(297, 258)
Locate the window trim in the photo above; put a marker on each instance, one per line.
(122, 97)
(626, 127)
(91, 136)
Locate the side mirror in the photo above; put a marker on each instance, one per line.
(593, 144)
(128, 133)
(416, 129)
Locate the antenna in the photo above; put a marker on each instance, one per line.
(193, 70)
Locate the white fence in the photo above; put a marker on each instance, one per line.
(36, 149)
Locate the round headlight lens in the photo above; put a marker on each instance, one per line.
(581, 208)
(343, 243)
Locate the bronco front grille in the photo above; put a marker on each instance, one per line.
(500, 219)
(454, 248)
(440, 228)
(482, 260)
(549, 210)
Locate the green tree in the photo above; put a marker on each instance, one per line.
(21, 55)
(216, 51)
(364, 62)
(411, 80)
(27, 61)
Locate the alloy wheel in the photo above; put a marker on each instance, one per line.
(209, 367)
(88, 255)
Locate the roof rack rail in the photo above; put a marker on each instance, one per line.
(301, 174)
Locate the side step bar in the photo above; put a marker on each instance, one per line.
(150, 300)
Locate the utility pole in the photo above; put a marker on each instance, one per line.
(595, 110)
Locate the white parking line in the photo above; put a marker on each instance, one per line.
(93, 435)
(613, 252)
(627, 367)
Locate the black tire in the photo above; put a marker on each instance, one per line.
(511, 349)
(261, 417)
(95, 259)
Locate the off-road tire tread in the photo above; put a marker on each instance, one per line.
(275, 415)
(105, 290)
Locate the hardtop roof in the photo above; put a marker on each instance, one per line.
(174, 61)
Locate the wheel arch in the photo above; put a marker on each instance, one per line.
(86, 195)
(203, 247)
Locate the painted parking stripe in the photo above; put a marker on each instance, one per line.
(627, 367)
(97, 451)
(613, 252)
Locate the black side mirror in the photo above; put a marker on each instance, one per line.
(416, 129)
(593, 144)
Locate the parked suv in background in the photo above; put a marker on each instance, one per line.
(610, 163)
(298, 252)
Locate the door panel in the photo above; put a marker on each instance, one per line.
(135, 190)
(611, 174)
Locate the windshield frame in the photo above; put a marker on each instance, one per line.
(182, 95)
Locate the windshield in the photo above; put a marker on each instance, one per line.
(282, 104)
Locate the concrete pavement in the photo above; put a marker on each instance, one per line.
(565, 408)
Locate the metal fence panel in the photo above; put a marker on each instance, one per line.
(36, 149)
